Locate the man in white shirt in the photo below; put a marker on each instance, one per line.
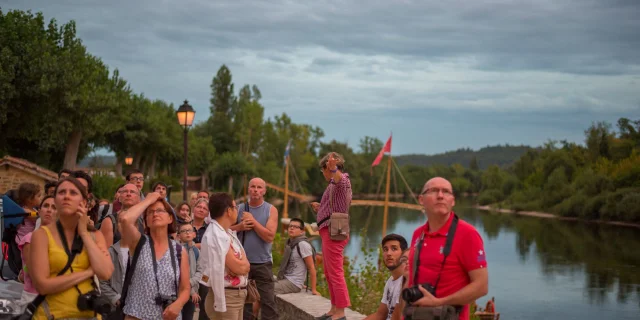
(393, 246)
(298, 258)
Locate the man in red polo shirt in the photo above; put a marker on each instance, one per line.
(463, 277)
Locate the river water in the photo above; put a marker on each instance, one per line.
(538, 268)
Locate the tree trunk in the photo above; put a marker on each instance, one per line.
(118, 168)
(71, 153)
(230, 184)
(152, 169)
(144, 161)
(203, 181)
(136, 160)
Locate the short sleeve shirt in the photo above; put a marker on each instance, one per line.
(296, 270)
(467, 254)
(391, 295)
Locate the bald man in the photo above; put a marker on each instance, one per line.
(465, 277)
(256, 225)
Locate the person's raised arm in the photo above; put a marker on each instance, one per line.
(106, 228)
(332, 165)
(94, 243)
(39, 272)
(267, 233)
(128, 218)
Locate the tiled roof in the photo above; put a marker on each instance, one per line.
(30, 167)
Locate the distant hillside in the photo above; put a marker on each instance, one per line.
(502, 156)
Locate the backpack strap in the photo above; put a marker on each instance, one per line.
(131, 266)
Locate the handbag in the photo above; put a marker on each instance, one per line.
(338, 223)
(252, 292)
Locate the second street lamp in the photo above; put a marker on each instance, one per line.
(185, 118)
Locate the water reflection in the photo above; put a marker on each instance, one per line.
(539, 268)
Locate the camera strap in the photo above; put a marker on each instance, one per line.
(131, 266)
(172, 252)
(445, 251)
(71, 255)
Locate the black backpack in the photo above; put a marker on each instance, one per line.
(13, 254)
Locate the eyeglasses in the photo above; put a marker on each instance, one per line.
(185, 231)
(294, 226)
(136, 179)
(152, 212)
(436, 191)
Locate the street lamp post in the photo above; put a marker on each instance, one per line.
(185, 118)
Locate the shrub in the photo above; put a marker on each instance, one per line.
(104, 186)
(490, 196)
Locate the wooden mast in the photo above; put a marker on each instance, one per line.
(285, 211)
(386, 198)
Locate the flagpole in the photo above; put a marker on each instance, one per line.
(386, 198)
(285, 212)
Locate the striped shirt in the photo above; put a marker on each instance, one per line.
(341, 199)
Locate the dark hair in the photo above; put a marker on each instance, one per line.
(159, 183)
(26, 191)
(218, 203)
(171, 228)
(45, 199)
(179, 206)
(205, 191)
(396, 237)
(79, 174)
(49, 185)
(298, 220)
(133, 171)
(67, 171)
(75, 182)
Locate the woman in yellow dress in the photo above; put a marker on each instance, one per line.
(72, 293)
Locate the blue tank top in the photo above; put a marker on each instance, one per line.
(257, 250)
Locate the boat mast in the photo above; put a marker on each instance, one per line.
(386, 197)
(285, 211)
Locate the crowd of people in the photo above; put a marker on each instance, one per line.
(140, 257)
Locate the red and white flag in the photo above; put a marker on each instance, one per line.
(385, 149)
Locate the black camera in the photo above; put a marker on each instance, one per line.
(165, 301)
(94, 302)
(414, 294)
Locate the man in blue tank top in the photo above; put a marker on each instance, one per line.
(256, 225)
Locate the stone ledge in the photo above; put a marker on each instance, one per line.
(305, 306)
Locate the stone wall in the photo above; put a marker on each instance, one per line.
(305, 306)
(11, 178)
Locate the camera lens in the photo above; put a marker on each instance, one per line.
(412, 294)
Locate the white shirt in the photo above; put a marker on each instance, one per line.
(391, 295)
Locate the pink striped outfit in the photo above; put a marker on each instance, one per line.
(333, 251)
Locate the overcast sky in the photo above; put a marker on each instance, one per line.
(441, 75)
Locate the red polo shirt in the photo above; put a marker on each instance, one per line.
(467, 254)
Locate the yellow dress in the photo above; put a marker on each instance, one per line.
(65, 304)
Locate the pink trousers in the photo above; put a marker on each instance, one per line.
(333, 259)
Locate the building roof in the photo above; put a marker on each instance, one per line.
(30, 167)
